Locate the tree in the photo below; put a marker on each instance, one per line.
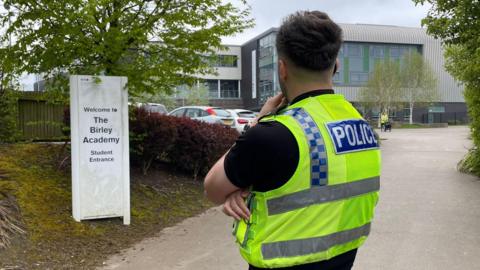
(156, 44)
(419, 84)
(163, 98)
(457, 23)
(382, 90)
(196, 96)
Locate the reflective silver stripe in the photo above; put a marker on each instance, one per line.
(312, 245)
(321, 194)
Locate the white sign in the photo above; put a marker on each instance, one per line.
(100, 154)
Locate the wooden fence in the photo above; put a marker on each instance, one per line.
(38, 120)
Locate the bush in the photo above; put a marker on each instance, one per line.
(187, 145)
(8, 116)
(199, 145)
(472, 98)
(469, 164)
(151, 137)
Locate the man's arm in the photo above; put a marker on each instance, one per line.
(220, 190)
(217, 185)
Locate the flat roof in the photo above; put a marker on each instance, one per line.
(366, 30)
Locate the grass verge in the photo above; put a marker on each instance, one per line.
(54, 240)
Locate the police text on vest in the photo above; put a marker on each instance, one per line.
(351, 136)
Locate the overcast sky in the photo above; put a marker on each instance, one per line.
(269, 13)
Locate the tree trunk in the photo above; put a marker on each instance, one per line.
(411, 113)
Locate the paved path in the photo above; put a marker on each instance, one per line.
(428, 216)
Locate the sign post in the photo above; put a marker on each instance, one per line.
(100, 153)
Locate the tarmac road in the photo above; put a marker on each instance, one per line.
(428, 216)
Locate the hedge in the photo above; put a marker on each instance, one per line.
(471, 162)
(185, 144)
(152, 135)
(199, 145)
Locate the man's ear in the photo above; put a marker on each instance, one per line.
(337, 66)
(282, 69)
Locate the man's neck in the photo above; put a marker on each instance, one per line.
(299, 89)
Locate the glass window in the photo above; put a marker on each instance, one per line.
(227, 61)
(222, 60)
(356, 64)
(406, 114)
(395, 51)
(212, 86)
(377, 51)
(266, 52)
(337, 78)
(358, 77)
(267, 68)
(354, 50)
(203, 113)
(340, 53)
(229, 89)
(221, 112)
(179, 112)
(193, 113)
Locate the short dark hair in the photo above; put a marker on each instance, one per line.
(310, 39)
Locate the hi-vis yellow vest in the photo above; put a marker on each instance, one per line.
(384, 118)
(326, 207)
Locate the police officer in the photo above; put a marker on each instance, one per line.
(302, 183)
(384, 121)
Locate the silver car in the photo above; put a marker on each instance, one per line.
(154, 107)
(213, 115)
(241, 118)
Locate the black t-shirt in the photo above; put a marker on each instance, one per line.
(265, 158)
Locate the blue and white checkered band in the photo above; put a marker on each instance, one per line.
(318, 155)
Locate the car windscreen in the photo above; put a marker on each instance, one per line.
(221, 112)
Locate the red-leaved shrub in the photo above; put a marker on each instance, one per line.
(199, 145)
(152, 135)
(188, 145)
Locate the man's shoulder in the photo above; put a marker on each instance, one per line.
(268, 132)
(264, 157)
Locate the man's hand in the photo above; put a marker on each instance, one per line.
(270, 106)
(235, 205)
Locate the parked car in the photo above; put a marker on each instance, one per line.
(206, 114)
(242, 118)
(154, 107)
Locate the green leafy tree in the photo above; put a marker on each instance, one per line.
(196, 96)
(382, 90)
(419, 84)
(156, 44)
(166, 99)
(457, 23)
